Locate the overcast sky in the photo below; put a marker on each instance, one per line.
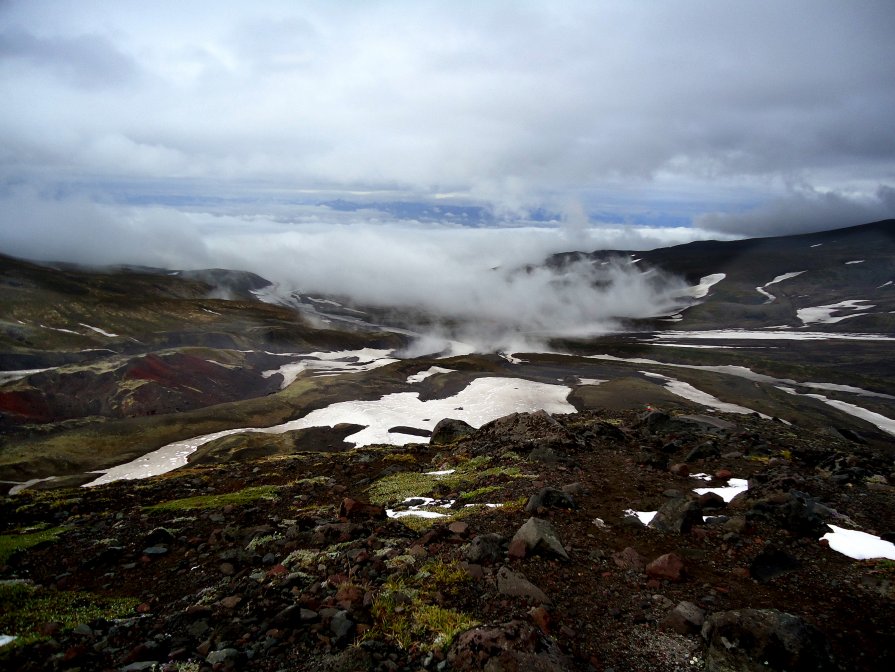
(151, 131)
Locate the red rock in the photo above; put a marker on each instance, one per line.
(352, 509)
(541, 618)
(668, 566)
(277, 570)
(629, 558)
(518, 549)
(682, 470)
(459, 527)
(231, 602)
(143, 608)
(723, 474)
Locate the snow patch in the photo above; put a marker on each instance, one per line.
(6, 639)
(331, 363)
(881, 421)
(687, 391)
(824, 314)
(727, 492)
(857, 261)
(483, 400)
(750, 335)
(9, 376)
(705, 284)
(645, 517)
(858, 545)
(108, 334)
(422, 375)
(779, 278)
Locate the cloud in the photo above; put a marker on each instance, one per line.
(804, 209)
(85, 60)
(509, 103)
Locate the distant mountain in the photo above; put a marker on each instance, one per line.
(849, 273)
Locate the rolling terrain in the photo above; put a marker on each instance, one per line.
(305, 419)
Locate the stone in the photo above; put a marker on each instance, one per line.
(548, 498)
(504, 647)
(539, 535)
(771, 563)
(518, 549)
(449, 430)
(231, 602)
(342, 627)
(756, 640)
(668, 566)
(352, 509)
(516, 585)
(677, 516)
(227, 568)
(686, 619)
(681, 470)
(226, 657)
(459, 527)
(155, 551)
(629, 558)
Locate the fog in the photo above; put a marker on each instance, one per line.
(486, 286)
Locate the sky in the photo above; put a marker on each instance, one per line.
(189, 134)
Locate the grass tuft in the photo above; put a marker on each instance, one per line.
(244, 496)
(12, 543)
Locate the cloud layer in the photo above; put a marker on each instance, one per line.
(510, 104)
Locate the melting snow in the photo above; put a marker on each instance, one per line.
(881, 421)
(705, 284)
(859, 545)
(857, 261)
(779, 278)
(727, 492)
(483, 400)
(99, 331)
(646, 517)
(9, 376)
(817, 245)
(824, 314)
(64, 331)
(422, 375)
(332, 363)
(687, 391)
(6, 639)
(749, 335)
(885, 284)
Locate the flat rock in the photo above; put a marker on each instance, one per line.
(686, 619)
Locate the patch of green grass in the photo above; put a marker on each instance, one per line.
(12, 543)
(244, 496)
(26, 608)
(479, 492)
(400, 486)
(404, 614)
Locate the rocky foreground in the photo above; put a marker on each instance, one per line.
(291, 563)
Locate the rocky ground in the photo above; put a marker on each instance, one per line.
(290, 563)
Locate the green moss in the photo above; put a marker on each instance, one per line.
(244, 496)
(12, 543)
(404, 614)
(25, 608)
(479, 492)
(400, 486)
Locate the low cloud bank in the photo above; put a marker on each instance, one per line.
(484, 286)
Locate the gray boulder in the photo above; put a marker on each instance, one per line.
(539, 535)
